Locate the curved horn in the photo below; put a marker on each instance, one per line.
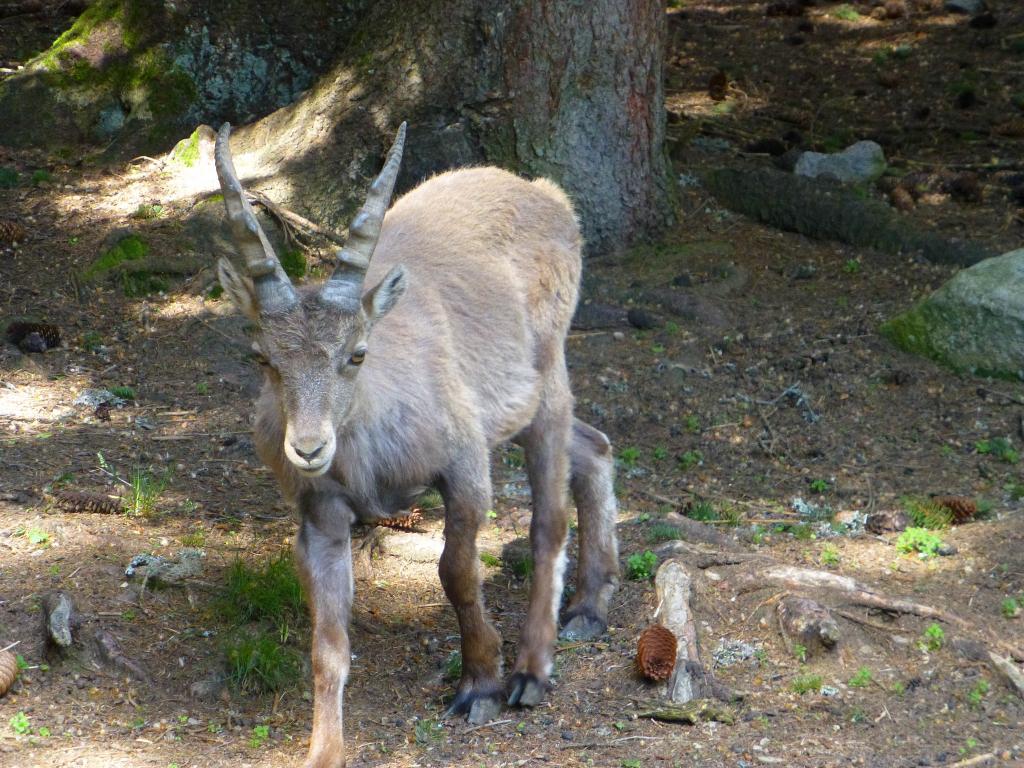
(273, 288)
(345, 285)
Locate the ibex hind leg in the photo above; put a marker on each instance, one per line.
(597, 574)
(546, 445)
(466, 489)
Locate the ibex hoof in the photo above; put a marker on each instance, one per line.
(525, 690)
(583, 626)
(479, 708)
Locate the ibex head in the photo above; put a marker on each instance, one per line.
(311, 344)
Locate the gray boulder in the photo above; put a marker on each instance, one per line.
(860, 162)
(973, 323)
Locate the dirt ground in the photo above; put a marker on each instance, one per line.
(694, 406)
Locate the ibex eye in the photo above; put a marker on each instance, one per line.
(358, 356)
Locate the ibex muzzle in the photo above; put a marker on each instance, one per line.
(439, 335)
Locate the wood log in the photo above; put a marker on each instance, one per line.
(807, 623)
(830, 211)
(59, 621)
(674, 586)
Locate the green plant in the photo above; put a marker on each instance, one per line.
(846, 13)
(196, 538)
(660, 532)
(147, 211)
(1010, 608)
(214, 727)
(800, 651)
(37, 536)
(932, 638)
(8, 177)
(925, 513)
(851, 266)
(20, 723)
(143, 493)
(43, 732)
(431, 499)
(271, 592)
(91, 341)
(202, 388)
(631, 763)
(861, 678)
(260, 733)
(979, 692)
(1015, 490)
(261, 664)
(41, 176)
(629, 456)
(819, 485)
(428, 731)
(640, 565)
(702, 511)
(920, 540)
(1000, 447)
(125, 392)
(672, 328)
(490, 560)
(660, 453)
(830, 556)
(898, 688)
(690, 459)
(453, 666)
(215, 292)
(293, 262)
(691, 423)
(802, 684)
(521, 565)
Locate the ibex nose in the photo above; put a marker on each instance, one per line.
(308, 455)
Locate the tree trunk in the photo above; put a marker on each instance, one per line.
(571, 90)
(568, 90)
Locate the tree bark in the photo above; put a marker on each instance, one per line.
(568, 90)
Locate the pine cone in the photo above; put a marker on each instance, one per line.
(8, 671)
(964, 509)
(656, 652)
(12, 232)
(19, 332)
(86, 501)
(403, 523)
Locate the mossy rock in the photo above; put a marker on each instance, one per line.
(974, 323)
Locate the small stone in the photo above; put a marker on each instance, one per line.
(947, 550)
(567, 736)
(860, 162)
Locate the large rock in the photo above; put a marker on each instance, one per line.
(973, 323)
(860, 162)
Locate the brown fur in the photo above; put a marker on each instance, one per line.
(470, 356)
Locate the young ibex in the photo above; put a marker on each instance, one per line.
(373, 394)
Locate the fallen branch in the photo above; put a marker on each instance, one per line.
(288, 219)
(693, 713)
(798, 578)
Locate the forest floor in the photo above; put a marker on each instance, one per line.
(695, 408)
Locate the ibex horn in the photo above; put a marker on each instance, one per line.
(346, 283)
(273, 288)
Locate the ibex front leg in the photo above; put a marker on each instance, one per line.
(466, 489)
(546, 444)
(324, 554)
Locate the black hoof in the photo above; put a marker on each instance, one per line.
(525, 690)
(479, 707)
(583, 626)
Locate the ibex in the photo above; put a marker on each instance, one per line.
(373, 394)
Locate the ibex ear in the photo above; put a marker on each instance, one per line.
(239, 289)
(382, 297)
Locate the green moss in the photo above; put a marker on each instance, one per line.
(129, 248)
(293, 262)
(186, 151)
(8, 178)
(96, 14)
(142, 283)
(910, 332)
